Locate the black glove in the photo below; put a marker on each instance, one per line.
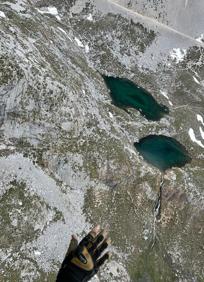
(83, 260)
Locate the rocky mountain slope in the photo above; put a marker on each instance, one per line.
(67, 159)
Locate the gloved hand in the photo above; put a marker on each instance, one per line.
(83, 260)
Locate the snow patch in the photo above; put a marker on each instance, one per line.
(195, 79)
(200, 38)
(178, 54)
(51, 11)
(79, 43)
(62, 30)
(2, 15)
(3, 147)
(164, 93)
(194, 139)
(87, 48)
(146, 234)
(111, 115)
(90, 18)
(6, 147)
(37, 253)
(201, 132)
(200, 118)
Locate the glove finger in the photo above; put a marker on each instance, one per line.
(98, 240)
(89, 239)
(101, 249)
(95, 231)
(102, 236)
(102, 260)
(73, 245)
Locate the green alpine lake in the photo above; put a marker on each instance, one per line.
(126, 94)
(162, 152)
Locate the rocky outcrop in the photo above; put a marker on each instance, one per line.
(67, 158)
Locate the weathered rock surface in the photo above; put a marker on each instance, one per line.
(67, 159)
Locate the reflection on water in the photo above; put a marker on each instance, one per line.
(125, 93)
(162, 152)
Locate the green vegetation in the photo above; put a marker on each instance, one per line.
(152, 266)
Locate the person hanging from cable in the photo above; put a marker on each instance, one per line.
(83, 260)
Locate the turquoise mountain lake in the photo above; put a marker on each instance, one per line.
(126, 94)
(162, 152)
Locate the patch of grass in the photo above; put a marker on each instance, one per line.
(152, 266)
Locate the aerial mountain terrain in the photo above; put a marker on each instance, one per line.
(67, 155)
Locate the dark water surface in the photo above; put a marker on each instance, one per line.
(162, 152)
(125, 93)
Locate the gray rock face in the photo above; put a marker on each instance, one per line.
(183, 15)
(67, 159)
